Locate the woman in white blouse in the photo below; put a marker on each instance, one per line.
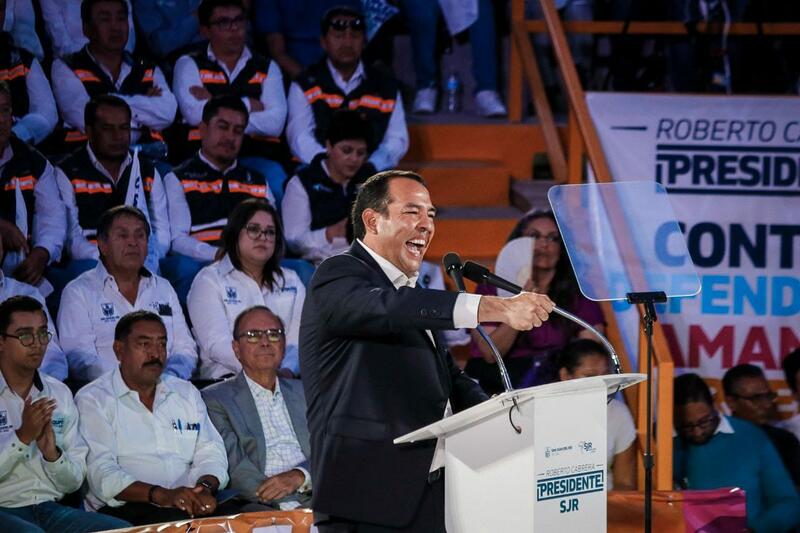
(247, 272)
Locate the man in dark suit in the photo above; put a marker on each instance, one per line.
(262, 418)
(375, 367)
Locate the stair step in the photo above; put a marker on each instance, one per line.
(472, 231)
(464, 182)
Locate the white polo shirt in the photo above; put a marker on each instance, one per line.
(172, 446)
(91, 306)
(26, 477)
(219, 293)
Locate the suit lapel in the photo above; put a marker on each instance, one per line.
(295, 406)
(249, 413)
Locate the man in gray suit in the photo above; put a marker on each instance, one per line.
(262, 417)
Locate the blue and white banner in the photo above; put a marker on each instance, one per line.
(732, 168)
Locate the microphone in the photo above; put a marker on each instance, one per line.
(452, 265)
(480, 274)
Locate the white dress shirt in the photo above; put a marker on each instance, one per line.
(311, 245)
(620, 435)
(91, 306)
(219, 293)
(78, 239)
(283, 452)
(26, 477)
(49, 219)
(268, 122)
(301, 125)
(172, 446)
(180, 217)
(62, 22)
(42, 115)
(155, 112)
(54, 362)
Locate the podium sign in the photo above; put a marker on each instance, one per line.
(549, 477)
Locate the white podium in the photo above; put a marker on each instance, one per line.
(550, 477)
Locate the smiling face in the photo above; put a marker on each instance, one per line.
(403, 233)
(259, 249)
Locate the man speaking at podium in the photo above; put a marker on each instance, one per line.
(375, 367)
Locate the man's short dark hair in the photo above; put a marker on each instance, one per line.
(216, 103)
(791, 366)
(241, 316)
(349, 125)
(207, 7)
(374, 194)
(690, 388)
(738, 372)
(126, 323)
(17, 304)
(110, 215)
(90, 111)
(87, 5)
(572, 354)
(340, 11)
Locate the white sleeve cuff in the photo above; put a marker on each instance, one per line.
(465, 313)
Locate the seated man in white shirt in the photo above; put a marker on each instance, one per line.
(341, 80)
(316, 206)
(154, 456)
(94, 302)
(42, 455)
(262, 417)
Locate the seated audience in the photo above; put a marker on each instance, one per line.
(530, 355)
(54, 363)
(94, 302)
(18, 18)
(32, 215)
(585, 358)
(104, 67)
(712, 451)
(749, 397)
(154, 455)
(168, 27)
(423, 16)
(791, 371)
(203, 190)
(42, 455)
(290, 30)
(62, 22)
(262, 417)
(247, 273)
(342, 80)
(318, 200)
(35, 114)
(103, 174)
(227, 66)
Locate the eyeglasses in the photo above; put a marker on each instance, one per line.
(26, 338)
(550, 238)
(254, 336)
(343, 24)
(254, 231)
(763, 397)
(704, 423)
(228, 23)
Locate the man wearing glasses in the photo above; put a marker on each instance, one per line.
(712, 451)
(750, 398)
(262, 417)
(42, 455)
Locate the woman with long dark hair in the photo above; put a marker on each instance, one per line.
(247, 272)
(530, 355)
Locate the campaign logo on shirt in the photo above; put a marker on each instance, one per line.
(4, 425)
(109, 314)
(231, 296)
(179, 425)
(162, 309)
(289, 289)
(321, 187)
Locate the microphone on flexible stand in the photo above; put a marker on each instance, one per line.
(453, 268)
(481, 274)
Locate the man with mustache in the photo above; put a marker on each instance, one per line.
(205, 188)
(93, 303)
(154, 455)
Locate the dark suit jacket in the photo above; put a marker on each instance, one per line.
(371, 374)
(233, 412)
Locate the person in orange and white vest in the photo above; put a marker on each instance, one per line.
(104, 67)
(342, 81)
(204, 189)
(227, 67)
